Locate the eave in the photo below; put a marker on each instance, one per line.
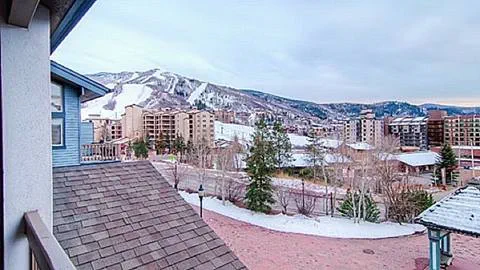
(90, 88)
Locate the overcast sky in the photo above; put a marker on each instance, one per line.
(321, 51)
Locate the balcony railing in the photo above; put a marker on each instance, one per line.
(46, 252)
(98, 152)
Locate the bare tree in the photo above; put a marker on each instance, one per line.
(341, 169)
(224, 162)
(283, 196)
(178, 172)
(202, 150)
(238, 151)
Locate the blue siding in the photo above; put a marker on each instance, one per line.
(70, 154)
(86, 133)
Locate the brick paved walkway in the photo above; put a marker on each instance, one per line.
(260, 248)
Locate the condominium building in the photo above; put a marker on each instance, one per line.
(351, 130)
(105, 129)
(435, 127)
(367, 128)
(225, 116)
(132, 122)
(411, 131)
(371, 128)
(462, 130)
(168, 124)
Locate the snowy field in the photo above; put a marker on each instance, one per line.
(244, 133)
(323, 226)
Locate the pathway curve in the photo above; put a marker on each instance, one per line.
(260, 248)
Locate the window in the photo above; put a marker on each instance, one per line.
(58, 115)
(57, 131)
(57, 97)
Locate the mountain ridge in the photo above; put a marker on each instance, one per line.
(156, 88)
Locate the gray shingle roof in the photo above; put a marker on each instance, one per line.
(126, 215)
(458, 212)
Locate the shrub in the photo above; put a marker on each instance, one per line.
(409, 203)
(305, 203)
(372, 213)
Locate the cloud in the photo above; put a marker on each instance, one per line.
(313, 50)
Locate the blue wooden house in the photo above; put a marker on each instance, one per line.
(68, 90)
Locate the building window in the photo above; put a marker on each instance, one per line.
(57, 97)
(58, 115)
(57, 132)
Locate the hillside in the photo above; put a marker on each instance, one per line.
(159, 89)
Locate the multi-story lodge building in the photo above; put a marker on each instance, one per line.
(435, 128)
(350, 130)
(167, 124)
(105, 129)
(225, 116)
(462, 130)
(371, 128)
(411, 131)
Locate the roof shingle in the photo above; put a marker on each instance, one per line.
(458, 212)
(126, 215)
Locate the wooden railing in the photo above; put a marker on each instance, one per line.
(98, 152)
(46, 252)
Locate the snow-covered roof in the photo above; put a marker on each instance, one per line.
(458, 212)
(303, 160)
(416, 159)
(361, 146)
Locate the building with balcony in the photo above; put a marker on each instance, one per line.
(57, 213)
(68, 89)
(411, 131)
(366, 128)
(224, 116)
(462, 130)
(167, 124)
(435, 128)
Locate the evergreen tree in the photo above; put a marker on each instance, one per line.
(447, 161)
(260, 167)
(140, 148)
(372, 213)
(281, 145)
(315, 154)
(179, 146)
(160, 144)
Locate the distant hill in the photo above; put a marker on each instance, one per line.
(158, 89)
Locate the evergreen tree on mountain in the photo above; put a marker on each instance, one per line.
(447, 161)
(260, 167)
(281, 145)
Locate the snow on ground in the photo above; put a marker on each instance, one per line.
(196, 93)
(131, 94)
(323, 226)
(244, 133)
(297, 184)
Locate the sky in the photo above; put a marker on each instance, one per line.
(320, 51)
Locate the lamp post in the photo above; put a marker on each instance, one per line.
(201, 194)
(473, 160)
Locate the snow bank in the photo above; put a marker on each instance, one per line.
(323, 226)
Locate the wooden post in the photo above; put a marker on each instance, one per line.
(434, 238)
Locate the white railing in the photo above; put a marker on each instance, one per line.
(98, 152)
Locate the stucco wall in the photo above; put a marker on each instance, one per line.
(70, 154)
(25, 75)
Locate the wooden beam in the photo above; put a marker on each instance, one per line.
(47, 251)
(22, 11)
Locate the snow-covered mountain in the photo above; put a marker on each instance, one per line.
(159, 89)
